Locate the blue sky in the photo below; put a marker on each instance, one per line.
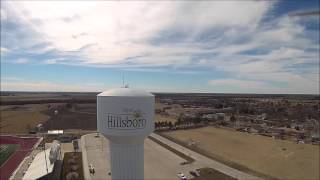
(170, 46)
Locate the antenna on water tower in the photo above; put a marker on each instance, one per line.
(124, 85)
(122, 79)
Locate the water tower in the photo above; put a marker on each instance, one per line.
(126, 117)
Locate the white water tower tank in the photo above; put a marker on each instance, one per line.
(126, 117)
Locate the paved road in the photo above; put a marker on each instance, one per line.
(66, 147)
(204, 161)
(95, 151)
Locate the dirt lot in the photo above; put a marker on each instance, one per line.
(19, 119)
(277, 158)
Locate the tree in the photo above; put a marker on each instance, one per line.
(170, 125)
(232, 118)
(69, 105)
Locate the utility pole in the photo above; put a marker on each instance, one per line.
(44, 150)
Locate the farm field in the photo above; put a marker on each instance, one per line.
(75, 116)
(39, 96)
(86, 108)
(277, 158)
(20, 118)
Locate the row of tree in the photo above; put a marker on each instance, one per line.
(168, 125)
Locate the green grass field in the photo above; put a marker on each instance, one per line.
(6, 150)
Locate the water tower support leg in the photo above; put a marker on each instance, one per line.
(127, 161)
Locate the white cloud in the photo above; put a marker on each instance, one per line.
(109, 32)
(81, 87)
(3, 15)
(119, 35)
(237, 48)
(3, 50)
(50, 61)
(294, 84)
(20, 61)
(8, 78)
(49, 86)
(53, 61)
(201, 16)
(243, 84)
(274, 69)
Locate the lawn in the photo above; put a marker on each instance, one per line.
(277, 158)
(6, 150)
